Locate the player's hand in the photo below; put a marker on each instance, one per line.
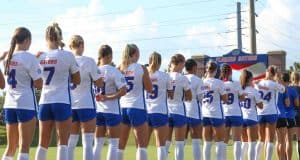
(101, 97)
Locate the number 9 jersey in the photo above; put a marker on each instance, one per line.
(268, 92)
(24, 68)
(57, 66)
(212, 91)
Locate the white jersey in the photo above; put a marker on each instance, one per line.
(268, 91)
(180, 84)
(24, 69)
(57, 66)
(232, 107)
(82, 95)
(157, 101)
(113, 80)
(212, 90)
(252, 97)
(193, 109)
(134, 97)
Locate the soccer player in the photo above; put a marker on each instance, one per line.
(108, 109)
(295, 79)
(249, 105)
(83, 104)
(24, 75)
(59, 68)
(267, 116)
(177, 112)
(133, 102)
(157, 108)
(213, 119)
(232, 111)
(193, 109)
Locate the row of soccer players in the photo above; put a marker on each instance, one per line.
(120, 97)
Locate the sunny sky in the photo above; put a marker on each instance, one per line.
(171, 26)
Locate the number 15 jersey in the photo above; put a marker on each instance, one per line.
(57, 66)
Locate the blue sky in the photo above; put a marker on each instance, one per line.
(170, 26)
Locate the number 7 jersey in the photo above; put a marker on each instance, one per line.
(57, 67)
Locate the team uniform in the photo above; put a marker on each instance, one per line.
(282, 119)
(232, 109)
(249, 109)
(290, 111)
(297, 109)
(176, 107)
(212, 111)
(133, 103)
(268, 91)
(156, 102)
(108, 112)
(20, 101)
(193, 109)
(55, 101)
(83, 104)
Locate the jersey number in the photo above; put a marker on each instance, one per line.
(208, 97)
(154, 93)
(266, 97)
(246, 103)
(51, 71)
(11, 80)
(230, 98)
(129, 81)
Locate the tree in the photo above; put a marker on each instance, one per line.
(294, 67)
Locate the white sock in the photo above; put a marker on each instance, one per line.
(269, 150)
(206, 150)
(141, 154)
(168, 144)
(112, 152)
(179, 150)
(251, 150)
(219, 150)
(7, 158)
(97, 150)
(62, 152)
(23, 156)
(196, 149)
(258, 148)
(73, 140)
(244, 150)
(41, 153)
(237, 150)
(120, 154)
(161, 153)
(224, 151)
(87, 144)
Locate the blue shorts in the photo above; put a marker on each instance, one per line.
(249, 123)
(83, 115)
(133, 116)
(215, 122)
(12, 115)
(233, 121)
(55, 111)
(156, 120)
(272, 118)
(191, 122)
(108, 119)
(176, 120)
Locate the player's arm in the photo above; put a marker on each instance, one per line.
(260, 105)
(2, 81)
(147, 81)
(188, 95)
(75, 78)
(121, 92)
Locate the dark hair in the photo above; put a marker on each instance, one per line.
(20, 35)
(211, 66)
(226, 71)
(104, 51)
(190, 64)
(177, 58)
(272, 70)
(245, 78)
(54, 34)
(285, 76)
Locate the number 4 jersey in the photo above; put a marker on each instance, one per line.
(24, 68)
(268, 92)
(57, 66)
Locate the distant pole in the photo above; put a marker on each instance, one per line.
(252, 27)
(239, 26)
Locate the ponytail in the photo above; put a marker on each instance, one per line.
(54, 34)
(245, 78)
(127, 55)
(154, 62)
(104, 51)
(9, 55)
(211, 66)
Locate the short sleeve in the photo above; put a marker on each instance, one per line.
(257, 97)
(221, 88)
(34, 69)
(74, 67)
(186, 84)
(95, 72)
(279, 87)
(119, 79)
(169, 82)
